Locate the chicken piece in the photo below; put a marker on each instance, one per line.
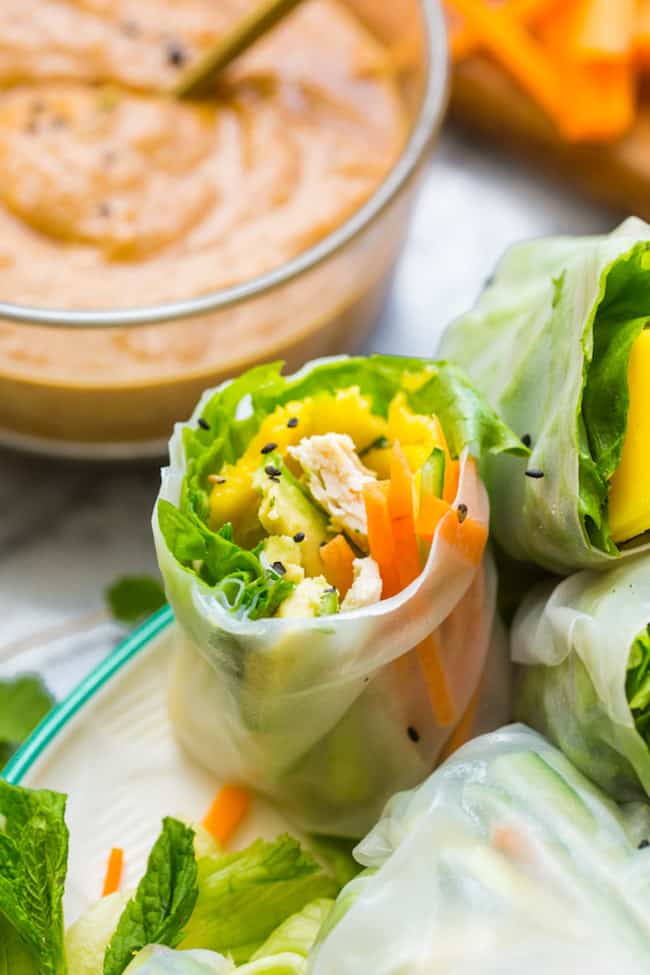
(366, 586)
(336, 479)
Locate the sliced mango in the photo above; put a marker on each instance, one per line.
(629, 492)
(347, 412)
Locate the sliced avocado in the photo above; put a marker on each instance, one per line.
(285, 509)
(283, 549)
(309, 598)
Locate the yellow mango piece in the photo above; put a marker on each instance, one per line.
(416, 454)
(236, 501)
(629, 491)
(347, 412)
(274, 429)
(412, 428)
(378, 460)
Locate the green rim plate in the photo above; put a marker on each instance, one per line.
(46, 732)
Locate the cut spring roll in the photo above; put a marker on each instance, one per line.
(321, 537)
(559, 344)
(506, 860)
(585, 681)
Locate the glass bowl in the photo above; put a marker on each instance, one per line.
(138, 370)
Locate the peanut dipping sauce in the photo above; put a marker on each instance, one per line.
(113, 194)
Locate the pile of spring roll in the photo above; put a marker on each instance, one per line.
(325, 543)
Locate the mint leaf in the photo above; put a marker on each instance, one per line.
(24, 701)
(133, 598)
(163, 902)
(33, 862)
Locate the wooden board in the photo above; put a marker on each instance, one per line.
(485, 99)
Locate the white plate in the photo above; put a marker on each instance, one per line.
(109, 745)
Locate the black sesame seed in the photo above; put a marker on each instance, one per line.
(272, 470)
(176, 54)
(461, 512)
(203, 423)
(644, 844)
(268, 447)
(331, 589)
(534, 473)
(526, 440)
(216, 479)
(413, 733)
(299, 537)
(293, 422)
(279, 568)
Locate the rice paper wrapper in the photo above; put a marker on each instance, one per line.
(320, 714)
(505, 860)
(573, 640)
(527, 345)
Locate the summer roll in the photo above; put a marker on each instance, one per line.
(585, 681)
(559, 343)
(506, 860)
(321, 538)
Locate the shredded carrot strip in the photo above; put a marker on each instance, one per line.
(436, 682)
(409, 564)
(432, 510)
(469, 537)
(380, 535)
(516, 50)
(512, 843)
(226, 812)
(452, 479)
(463, 730)
(337, 558)
(400, 492)
(114, 868)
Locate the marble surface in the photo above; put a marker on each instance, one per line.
(67, 530)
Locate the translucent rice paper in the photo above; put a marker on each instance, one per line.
(574, 639)
(526, 345)
(506, 860)
(320, 714)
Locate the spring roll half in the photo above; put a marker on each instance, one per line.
(321, 537)
(559, 344)
(505, 860)
(585, 681)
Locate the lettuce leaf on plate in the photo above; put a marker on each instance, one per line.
(245, 896)
(548, 344)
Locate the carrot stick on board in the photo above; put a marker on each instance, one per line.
(517, 51)
(226, 812)
(114, 869)
(603, 93)
(602, 30)
(337, 558)
(464, 42)
(642, 32)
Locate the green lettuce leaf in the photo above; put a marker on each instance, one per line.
(297, 935)
(245, 896)
(637, 685)
(24, 702)
(548, 343)
(163, 902)
(133, 598)
(33, 862)
(237, 575)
